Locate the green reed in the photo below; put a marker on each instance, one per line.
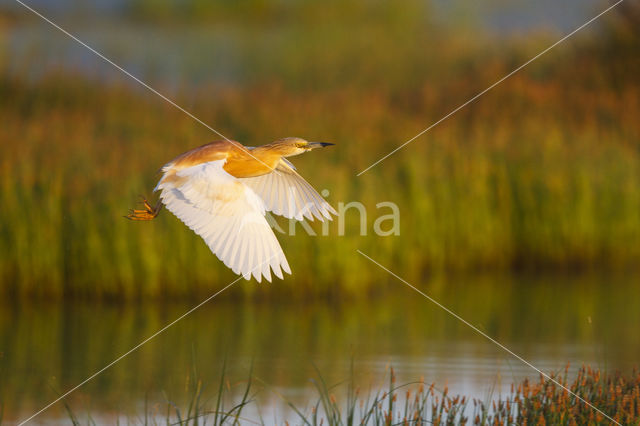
(542, 172)
(529, 402)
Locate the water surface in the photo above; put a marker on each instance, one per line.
(550, 321)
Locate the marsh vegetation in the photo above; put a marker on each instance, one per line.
(539, 175)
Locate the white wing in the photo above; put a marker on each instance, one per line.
(286, 193)
(228, 215)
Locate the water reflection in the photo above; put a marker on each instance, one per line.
(549, 321)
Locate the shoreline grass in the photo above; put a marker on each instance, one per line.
(528, 402)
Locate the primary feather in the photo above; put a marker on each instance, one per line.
(286, 193)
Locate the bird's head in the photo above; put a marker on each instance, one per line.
(288, 147)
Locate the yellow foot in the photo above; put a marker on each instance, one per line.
(148, 213)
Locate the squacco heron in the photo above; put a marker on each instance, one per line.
(222, 191)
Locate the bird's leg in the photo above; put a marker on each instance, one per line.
(148, 213)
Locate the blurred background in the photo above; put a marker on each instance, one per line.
(521, 212)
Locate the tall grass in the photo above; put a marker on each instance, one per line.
(192, 410)
(529, 402)
(542, 172)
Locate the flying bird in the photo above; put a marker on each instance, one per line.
(222, 191)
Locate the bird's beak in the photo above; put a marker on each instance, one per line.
(314, 145)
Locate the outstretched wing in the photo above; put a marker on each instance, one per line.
(286, 193)
(228, 215)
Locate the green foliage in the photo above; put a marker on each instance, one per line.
(195, 411)
(541, 172)
(530, 402)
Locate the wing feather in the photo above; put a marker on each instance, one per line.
(286, 193)
(228, 215)
(266, 267)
